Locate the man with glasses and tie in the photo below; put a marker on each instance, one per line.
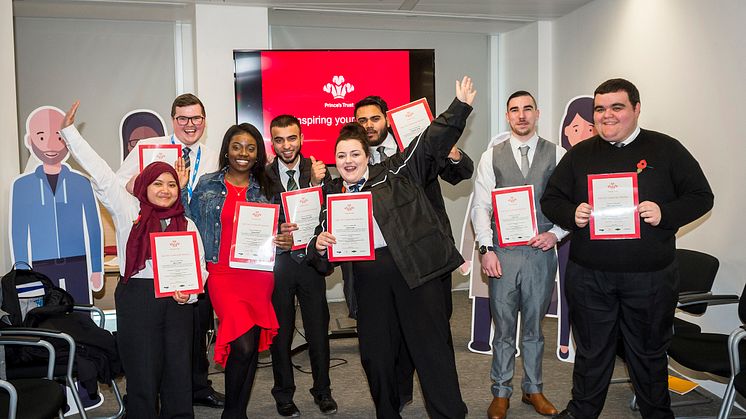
(625, 287)
(294, 278)
(188, 122)
(370, 112)
(520, 277)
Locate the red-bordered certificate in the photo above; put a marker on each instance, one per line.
(176, 265)
(150, 153)
(408, 121)
(614, 199)
(254, 229)
(515, 215)
(302, 207)
(349, 217)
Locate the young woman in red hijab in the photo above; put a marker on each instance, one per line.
(154, 335)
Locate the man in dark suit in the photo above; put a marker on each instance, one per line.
(370, 112)
(294, 278)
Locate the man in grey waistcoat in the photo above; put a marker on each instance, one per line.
(521, 276)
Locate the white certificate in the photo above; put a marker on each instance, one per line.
(302, 207)
(176, 264)
(409, 120)
(150, 153)
(515, 215)
(614, 200)
(254, 228)
(350, 221)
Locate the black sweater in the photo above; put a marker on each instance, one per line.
(672, 179)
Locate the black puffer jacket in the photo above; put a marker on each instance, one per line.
(416, 237)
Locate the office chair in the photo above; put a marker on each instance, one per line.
(737, 382)
(37, 397)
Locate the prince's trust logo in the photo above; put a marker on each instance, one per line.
(338, 88)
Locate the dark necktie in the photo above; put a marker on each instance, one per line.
(359, 185)
(619, 144)
(524, 159)
(292, 184)
(185, 155)
(382, 153)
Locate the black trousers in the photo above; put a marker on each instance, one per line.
(203, 321)
(294, 280)
(389, 312)
(154, 338)
(640, 307)
(404, 364)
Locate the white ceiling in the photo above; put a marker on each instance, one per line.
(480, 16)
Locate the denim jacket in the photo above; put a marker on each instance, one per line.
(206, 205)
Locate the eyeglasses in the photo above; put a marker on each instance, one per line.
(196, 120)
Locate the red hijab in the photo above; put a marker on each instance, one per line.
(149, 221)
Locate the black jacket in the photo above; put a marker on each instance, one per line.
(276, 186)
(415, 234)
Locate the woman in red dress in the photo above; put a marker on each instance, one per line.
(242, 298)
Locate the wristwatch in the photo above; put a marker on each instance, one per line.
(484, 249)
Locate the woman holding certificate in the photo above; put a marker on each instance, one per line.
(399, 294)
(153, 334)
(242, 298)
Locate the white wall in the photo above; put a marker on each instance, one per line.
(112, 67)
(9, 164)
(220, 29)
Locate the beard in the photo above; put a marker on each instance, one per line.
(289, 161)
(48, 160)
(381, 136)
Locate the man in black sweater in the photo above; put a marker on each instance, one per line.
(626, 287)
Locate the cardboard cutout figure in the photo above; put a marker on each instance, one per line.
(577, 125)
(137, 125)
(481, 320)
(54, 218)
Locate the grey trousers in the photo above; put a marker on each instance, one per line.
(526, 285)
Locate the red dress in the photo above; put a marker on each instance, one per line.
(241, 298)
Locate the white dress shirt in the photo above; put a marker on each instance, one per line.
(481, 213)
(283, 169)
(390, 146)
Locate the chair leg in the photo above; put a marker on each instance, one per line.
(76, 397)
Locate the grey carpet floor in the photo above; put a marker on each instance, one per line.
(350, 388)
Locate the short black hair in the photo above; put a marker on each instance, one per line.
(282, 121)
(374, 101)
(619, 85)
(187, 99)
(354, 131)
(519, 93)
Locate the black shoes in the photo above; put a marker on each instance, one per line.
(565, 414)
(288, 410)
(326, 404)
(215, 400)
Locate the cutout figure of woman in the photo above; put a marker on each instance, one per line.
(137, 125)
(577, 125)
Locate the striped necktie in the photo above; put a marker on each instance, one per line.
(292, 184)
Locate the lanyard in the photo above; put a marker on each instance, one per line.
(195, 167)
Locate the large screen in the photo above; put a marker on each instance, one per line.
(321, 87)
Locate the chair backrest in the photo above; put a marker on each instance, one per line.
(697, 273)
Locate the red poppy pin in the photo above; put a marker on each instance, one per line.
(641, 165)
